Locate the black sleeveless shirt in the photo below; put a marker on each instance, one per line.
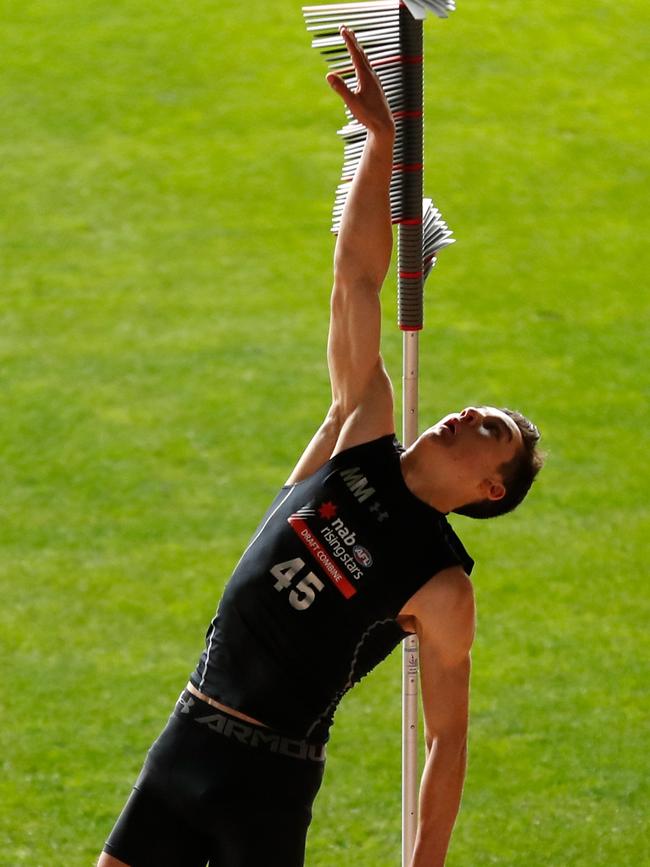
(311, 606)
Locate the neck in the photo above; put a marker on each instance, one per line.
(429, 491)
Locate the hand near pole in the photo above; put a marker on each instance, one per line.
(365, 237)
(367, 103)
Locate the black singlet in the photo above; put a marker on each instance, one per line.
(311, 606)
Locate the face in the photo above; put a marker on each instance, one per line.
(467, 448)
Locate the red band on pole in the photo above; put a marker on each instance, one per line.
(415, 221)
(411, 275)
(410, 327)
(401, 114)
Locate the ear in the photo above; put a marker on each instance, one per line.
(493, 490)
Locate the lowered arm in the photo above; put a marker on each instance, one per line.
(442, 614)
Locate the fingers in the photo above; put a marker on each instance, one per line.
(364, 98)
(336, 83)
(359, 61)
(357, 54)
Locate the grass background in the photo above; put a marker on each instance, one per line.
(166, 176)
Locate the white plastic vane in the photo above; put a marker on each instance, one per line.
(419, 9)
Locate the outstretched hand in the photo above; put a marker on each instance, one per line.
(367, 103)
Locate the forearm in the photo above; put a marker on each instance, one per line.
(440, 794)
(365, 240)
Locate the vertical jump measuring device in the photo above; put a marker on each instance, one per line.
(390, 32)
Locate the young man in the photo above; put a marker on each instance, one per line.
(354, 553)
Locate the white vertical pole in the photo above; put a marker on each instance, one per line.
(410, 774)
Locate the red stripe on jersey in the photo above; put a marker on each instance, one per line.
(338, 579)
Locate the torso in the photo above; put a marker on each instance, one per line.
(320, 595)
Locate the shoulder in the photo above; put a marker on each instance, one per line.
(443, 613)
(449, 590)
(377, 451)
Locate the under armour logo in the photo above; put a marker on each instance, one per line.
(185, 703)
(376, 507)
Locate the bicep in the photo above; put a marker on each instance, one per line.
(353, 342)
(372, 417)
(361, 387)
(445, 696)
(319, 449)
(361, 410)
(362, 393)
(444, 616)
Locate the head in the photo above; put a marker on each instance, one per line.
(517, 474)
(483, 460)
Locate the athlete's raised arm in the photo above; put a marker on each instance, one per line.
(362, 398)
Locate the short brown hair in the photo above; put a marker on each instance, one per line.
(518, 473)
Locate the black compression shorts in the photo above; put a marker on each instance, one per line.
(215, 789)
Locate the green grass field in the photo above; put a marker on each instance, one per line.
(166, 177)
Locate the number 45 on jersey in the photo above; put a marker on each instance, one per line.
(303, 592)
